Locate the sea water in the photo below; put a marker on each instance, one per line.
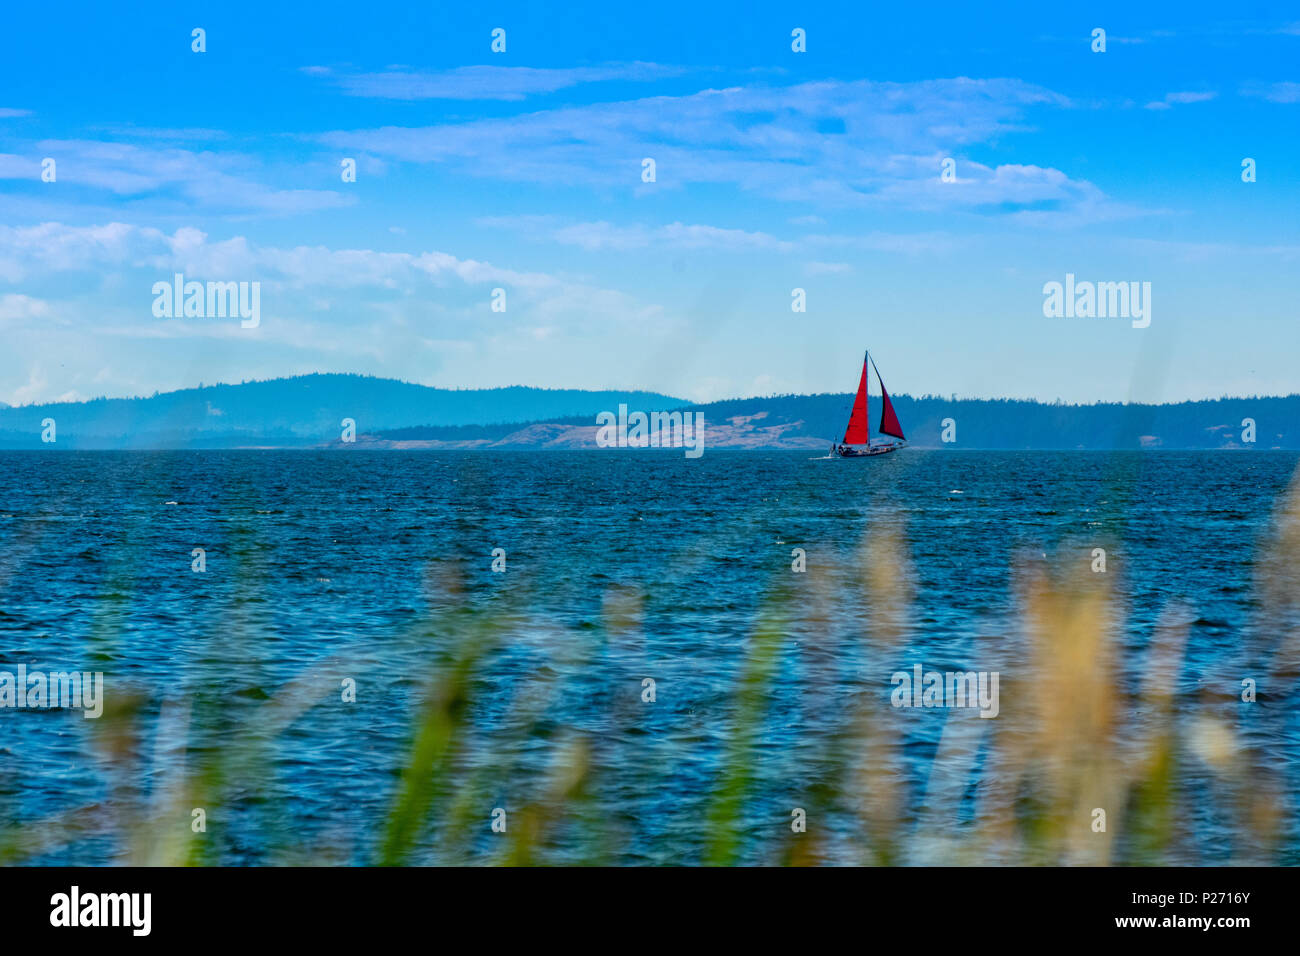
(592, 573)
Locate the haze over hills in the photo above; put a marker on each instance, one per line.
(307, 411)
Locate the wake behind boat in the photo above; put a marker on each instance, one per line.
(858, 442)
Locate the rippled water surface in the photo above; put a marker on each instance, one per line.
(619, 567)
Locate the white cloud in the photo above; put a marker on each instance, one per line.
(484, 82)
(54, 247)
(35, 389)
(1177, 99)
(19, 167)
(1206, 252)
(311, 282)
(221, 182)
(85, 304)
(601, 235)
(832, 142)
(1284, 92)
(827, 268)
(180, 134)
(15, 306)
(595, 236)
(57, 247)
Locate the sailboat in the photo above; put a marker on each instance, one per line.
(858, 442)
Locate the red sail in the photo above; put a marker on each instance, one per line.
(888, 420)
(859, 432)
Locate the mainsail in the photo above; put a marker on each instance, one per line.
(859, 430)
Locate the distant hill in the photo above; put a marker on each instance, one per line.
(813, 421)
(307, 411)
(301, 411)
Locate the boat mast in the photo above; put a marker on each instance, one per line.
(866, 359)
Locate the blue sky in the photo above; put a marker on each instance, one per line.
(775, 170)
